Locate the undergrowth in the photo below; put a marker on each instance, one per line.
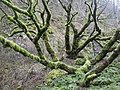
(108, 80)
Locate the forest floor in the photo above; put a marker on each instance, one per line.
(108, 80)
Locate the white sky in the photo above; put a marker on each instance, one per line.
(115, 1)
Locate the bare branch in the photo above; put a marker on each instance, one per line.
(84, 27)
(24, 2)
(99, 43)
(101, 11)
(68, 23)
(64, 7)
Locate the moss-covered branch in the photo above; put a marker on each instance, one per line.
(49, 48)
(75, 43)
(106, 48)
(68, 23)
(29, 9)
(103, 38)
(19, 23)
(33, 17)
(93, 14)
(65, 8)
(74, 53)
(99, 67)
(15, 19)
(24, 28)
(48, 13)
(8, 43)
(39, 50)
(86, 66)
(84, 27)
(47, 22)
(68, 9)
(15, 32)
(15, 7)
(77, 36)
(87, 23)
(100, 63)
(17, 48)
(34, 6)
(92, 36)
(29, 13)
(67, 39)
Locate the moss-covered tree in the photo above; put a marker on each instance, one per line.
(92, 66)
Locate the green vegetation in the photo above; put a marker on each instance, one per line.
(109, 80)
(86, 58)
(55, 73)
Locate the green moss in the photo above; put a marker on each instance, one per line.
(80, 61)
(86, 80)
(8, 43)
(91, 76)
(15, 7)
(53, 65)
(84, 62)
(55, 73)
(40, 51)
(49, 48)
(11, 18)
(50, 30)
(106, 48)
(67, 40)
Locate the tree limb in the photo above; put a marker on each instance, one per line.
(106, 48)
(15, 7)
(52, 65)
